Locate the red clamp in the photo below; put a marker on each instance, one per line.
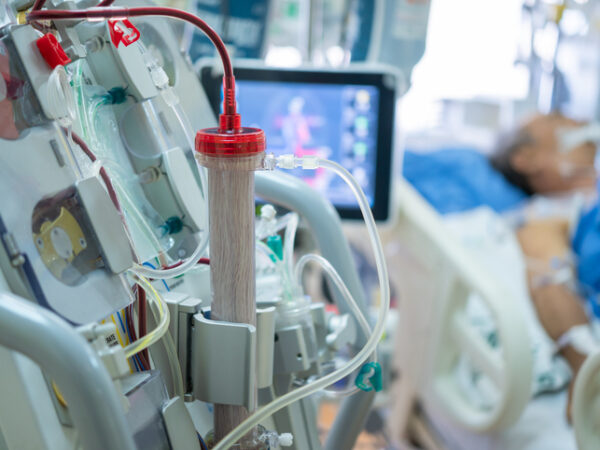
(122, 31)
(51, 51)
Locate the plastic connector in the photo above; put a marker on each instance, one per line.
(103, 340)
(290, 161)
(51, 51)
(310, 162)
(272, 439)
(269, 162)
(286, 162)
(286, 439)
(229, 106)
(159, 77)
(268, 212)
(369, 377)
(275, 244)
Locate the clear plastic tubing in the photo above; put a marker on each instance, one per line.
(228, 86)
(288, 244)
(174, 366)
(163, 319)
(161, 315)
(279, 267)
(136, 216)
(359, 316)
(339, 283)
(189, 263)
(186, 127)
(382, 272)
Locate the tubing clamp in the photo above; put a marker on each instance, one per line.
(369, 377)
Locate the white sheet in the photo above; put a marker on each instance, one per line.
(543, 426)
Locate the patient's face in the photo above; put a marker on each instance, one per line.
(547, 169)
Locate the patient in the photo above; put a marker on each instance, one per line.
(530, 162)
(534, 163)
(525, 162)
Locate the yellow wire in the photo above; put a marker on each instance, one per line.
(59, 396)
(148, 287)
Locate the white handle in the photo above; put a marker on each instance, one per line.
(455, 276)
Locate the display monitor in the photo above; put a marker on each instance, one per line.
(343, 116)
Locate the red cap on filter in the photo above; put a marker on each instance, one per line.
(230, 140)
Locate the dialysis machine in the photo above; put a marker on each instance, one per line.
(132, 258)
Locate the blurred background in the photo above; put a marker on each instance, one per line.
(470, 68)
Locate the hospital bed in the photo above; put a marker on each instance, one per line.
(436, 276)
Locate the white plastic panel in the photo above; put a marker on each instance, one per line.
(101, 293)
(186, 190)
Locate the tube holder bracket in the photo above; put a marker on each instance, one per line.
(224, 362)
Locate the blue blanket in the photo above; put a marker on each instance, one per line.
(455, 180)
(586, 245)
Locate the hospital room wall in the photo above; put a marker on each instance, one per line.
(483, 71)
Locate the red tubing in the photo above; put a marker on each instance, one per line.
(229, 107)
(38, 5)
(141, 297)
(109, 187)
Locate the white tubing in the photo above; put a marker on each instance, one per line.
(136, 216)
(288, 242)
(187, 264)
(174, 365)
(281, 402)
(339, 283)
(190, 262)
(160, 311)
(358, 315)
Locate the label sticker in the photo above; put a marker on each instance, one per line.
(123, 31)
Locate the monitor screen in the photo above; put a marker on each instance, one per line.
(337, 122)
(333, 115)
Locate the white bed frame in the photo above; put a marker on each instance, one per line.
(586, 404)
(435, 277)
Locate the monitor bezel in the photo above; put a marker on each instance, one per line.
(385, 85)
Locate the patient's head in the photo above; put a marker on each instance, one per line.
(530, 157)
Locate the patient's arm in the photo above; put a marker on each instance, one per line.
(558, 308)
